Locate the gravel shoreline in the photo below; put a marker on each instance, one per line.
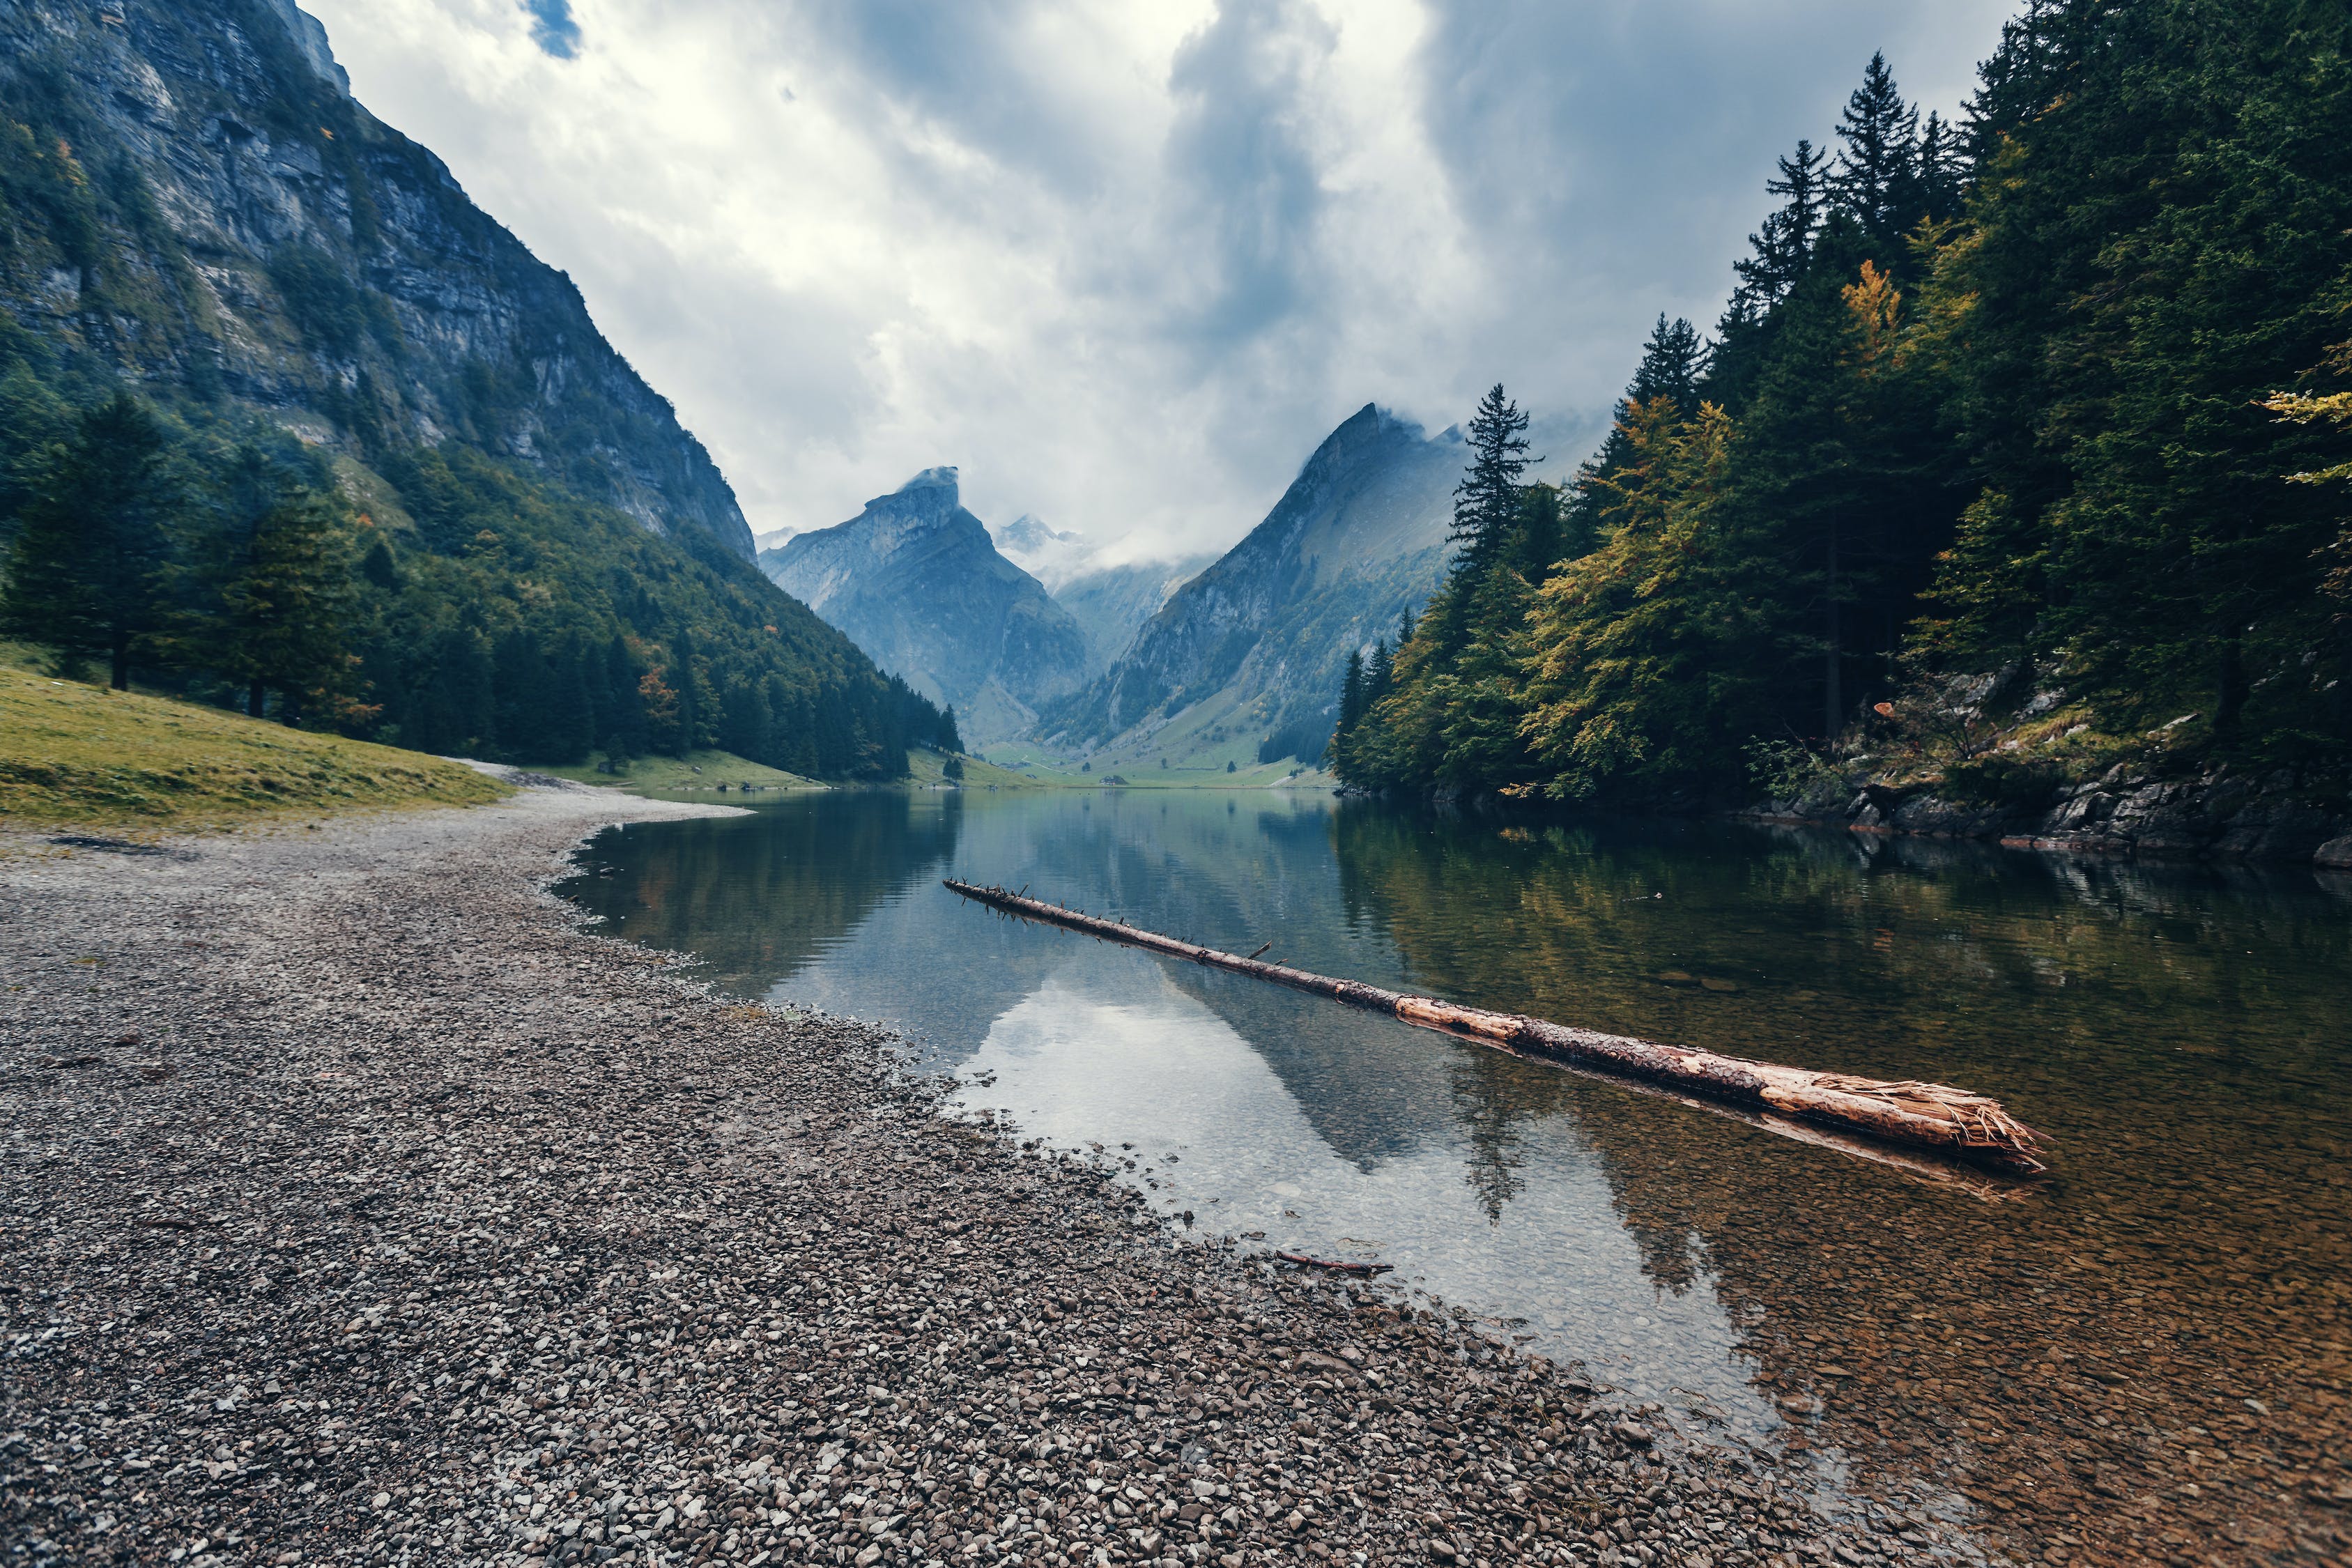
(359, 1208)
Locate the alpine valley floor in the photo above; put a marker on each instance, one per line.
(359, 1208)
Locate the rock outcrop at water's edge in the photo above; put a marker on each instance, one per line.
(2215, 815)
(378, 1211)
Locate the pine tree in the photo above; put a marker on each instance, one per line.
(277, 587)
(685, 684)
(1487, 498)
(1351, 712)
(1876, 180)
(1943, 171)
(1785, 242)
(1672, 363)
(85, 570)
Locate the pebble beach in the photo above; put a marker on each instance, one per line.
(359, 1205)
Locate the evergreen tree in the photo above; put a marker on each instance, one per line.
(1943, 171)
(1876, 178)
(746, 722)
(276, 587)
(686, 686)
(84, 570)
(1380, 671)
(1672, 363)
(1351, 712)
(1486, 500)
(32, 418)
(1785, 242)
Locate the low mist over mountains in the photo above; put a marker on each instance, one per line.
(1109, 602)
(1253, 646)
(916, 581)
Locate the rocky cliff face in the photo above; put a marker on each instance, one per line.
(1260, 638)
(915, 581)
(222, 220)
(1113, 603)
(2215, 814)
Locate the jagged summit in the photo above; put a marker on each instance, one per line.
(916, 581)
(942, 478)
(1254, 643)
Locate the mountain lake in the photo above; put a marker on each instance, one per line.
(2154, 1332)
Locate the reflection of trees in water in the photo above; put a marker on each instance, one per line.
(2178, 1030)
(1491, 1124)
(758, 896)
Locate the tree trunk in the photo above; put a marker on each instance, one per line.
(1832, 685)
(1923, 1115)
(289, 708)
(257, 699)
(2230, 685)
(121, 661)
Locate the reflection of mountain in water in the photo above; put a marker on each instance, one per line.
(2179, 1032)
(758, 896)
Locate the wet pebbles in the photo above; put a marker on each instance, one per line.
(358, 1208)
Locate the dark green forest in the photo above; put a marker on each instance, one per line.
(311, 514)
(497, 617)
(2019, 450)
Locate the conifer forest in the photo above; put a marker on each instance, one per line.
(2019, 449)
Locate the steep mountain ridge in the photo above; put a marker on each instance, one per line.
(538, 562)
(1112, 604)
(289, 251)
(1260, 636)
(916, 581)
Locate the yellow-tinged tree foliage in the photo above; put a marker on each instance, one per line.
(1631, 652)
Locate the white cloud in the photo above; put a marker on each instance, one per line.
(1122, 265)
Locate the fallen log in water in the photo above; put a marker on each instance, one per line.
(1922, 1115)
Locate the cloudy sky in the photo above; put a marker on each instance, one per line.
(1124, 262)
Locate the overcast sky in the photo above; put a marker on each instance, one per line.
(1124, 263)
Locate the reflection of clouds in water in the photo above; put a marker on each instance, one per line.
(1098, 1053)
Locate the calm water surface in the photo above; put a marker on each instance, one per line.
(2143, 1358)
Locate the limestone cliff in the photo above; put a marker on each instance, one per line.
(206, 210)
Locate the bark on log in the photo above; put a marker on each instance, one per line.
(1920, 1115)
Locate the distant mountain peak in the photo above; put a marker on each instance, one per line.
(1256, 641)
(942, 478)
(1028, 531)
(916, 581)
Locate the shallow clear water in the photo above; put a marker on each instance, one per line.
(2143, 1356)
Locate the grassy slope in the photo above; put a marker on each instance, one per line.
(1197, 743)
(696, 770)
(72, 754)
(927, 768)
